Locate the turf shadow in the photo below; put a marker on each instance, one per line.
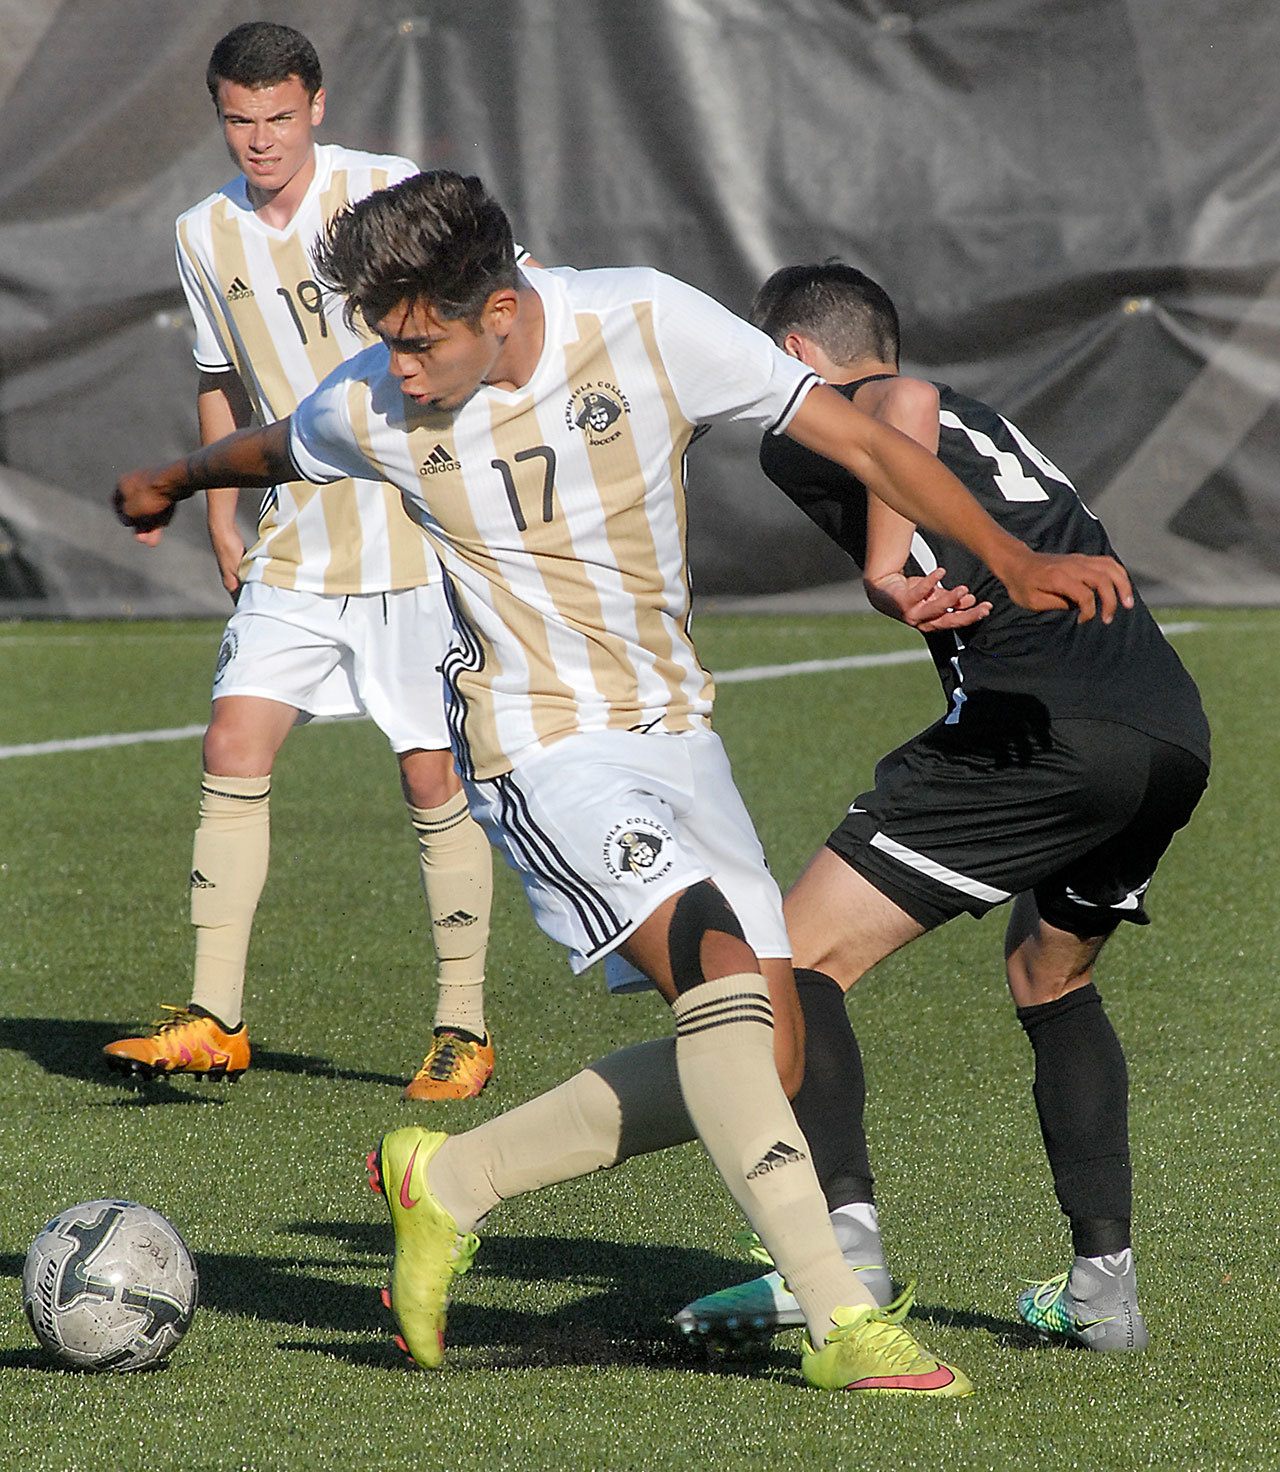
(71, 1047)
(628, 1291)
(952, 1318)
(304, 1064)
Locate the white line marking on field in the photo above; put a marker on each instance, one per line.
(743, 676)
(862, 661)
(94, 743)
(61, 641)
(819, 666)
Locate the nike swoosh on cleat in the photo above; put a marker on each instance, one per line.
(937, 1379)
(404, 1183)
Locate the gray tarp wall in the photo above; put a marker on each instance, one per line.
(1074, 201)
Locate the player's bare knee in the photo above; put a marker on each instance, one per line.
(428, 779)
(1036, 979)
(230, 751)
(705, 940)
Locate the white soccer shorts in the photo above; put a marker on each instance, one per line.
(604, 826)
(374, 654)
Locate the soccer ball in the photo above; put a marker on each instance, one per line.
(109, 1285)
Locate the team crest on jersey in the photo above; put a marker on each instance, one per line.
(595, 408)
(639, 847)
(226, 653)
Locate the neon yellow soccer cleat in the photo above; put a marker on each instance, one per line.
(430, 1251)
(870, 1351)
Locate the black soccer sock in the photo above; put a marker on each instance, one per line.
(830, 1104)
(1082, 1097)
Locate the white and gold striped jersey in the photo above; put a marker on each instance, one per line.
(558, 510)
(258, 310)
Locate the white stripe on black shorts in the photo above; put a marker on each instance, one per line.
(962, 818)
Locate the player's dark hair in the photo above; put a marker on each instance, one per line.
(435, 238)
(842, 309)
(260, 54)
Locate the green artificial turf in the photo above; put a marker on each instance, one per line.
(561, 1355)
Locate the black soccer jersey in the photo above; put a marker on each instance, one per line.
(1125, 671)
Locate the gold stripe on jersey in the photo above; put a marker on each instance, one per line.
(617, 473)
(268, 382)
(338, 502)
(580, 610)
(283, 547)
(408, 554)
(335, 197)
(212, 292)
(411, 554)
(252, 343)
(293, 268)
(424, 431)
(681, 435)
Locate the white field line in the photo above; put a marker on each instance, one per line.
(745, 675)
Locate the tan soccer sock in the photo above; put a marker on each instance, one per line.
(724, 1056)
(457, 880)
(626, 1104)
(228, 870)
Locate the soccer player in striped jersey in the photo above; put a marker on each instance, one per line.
(537, 424)
(1069, 756)
(339, 603)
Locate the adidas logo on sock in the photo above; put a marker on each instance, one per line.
(238, 291)
(780, 1154)
(198, 881)
(457, 921)
(437, 461)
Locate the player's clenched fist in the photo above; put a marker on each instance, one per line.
(144, 500)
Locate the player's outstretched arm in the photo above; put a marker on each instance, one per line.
(918, 486)
(145, 499)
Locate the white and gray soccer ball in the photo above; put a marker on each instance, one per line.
(109, 1285)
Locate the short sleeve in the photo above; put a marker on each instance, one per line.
(321, 441)
(210, 351)
(722, 367)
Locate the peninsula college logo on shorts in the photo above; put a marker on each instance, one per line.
(595, 408)
(639, 847)
(226, 653)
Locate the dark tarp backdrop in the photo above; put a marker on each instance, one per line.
(1074, 202)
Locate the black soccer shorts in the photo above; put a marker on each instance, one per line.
(1079, 812)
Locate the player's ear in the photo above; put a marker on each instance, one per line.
(317, 108)
(499, 312)
(796, 346)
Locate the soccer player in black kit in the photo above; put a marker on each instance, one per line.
(1068, 757)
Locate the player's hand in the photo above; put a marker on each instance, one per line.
(228, 548)
(1092, 585)
(923, 603)
(143, 501)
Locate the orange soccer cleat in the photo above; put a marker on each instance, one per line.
(457, 1066)
(189, 1041)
